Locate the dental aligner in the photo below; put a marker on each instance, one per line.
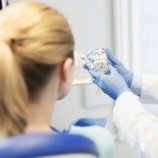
(96, 59)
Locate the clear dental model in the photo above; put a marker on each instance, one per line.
(96, 60)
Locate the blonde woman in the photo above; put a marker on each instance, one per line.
(36, 69)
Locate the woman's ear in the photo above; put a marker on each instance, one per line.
(66, 77)
(66, 68)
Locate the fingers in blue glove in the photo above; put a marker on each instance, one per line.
(111, 58)
(127, 75)
(108, 72)
(109, 62)
(111, 69)
(107, 82)
(95, 76)
(86, 67)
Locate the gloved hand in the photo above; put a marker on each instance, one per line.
(127, 75)
(111, 83)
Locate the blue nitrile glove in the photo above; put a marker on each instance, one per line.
(127, 75)
(111, 83)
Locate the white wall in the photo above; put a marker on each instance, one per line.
(148, 36)
(149, 42)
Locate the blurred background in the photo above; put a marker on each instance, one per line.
(129, 28)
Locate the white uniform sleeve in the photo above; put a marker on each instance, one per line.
(149, 92)
(146, 86)
(139, 128)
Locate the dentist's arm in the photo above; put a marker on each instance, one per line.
(145, 86)
(138, 126)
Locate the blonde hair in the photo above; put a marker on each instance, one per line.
(34, 38)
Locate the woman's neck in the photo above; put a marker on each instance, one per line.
(40, 110)
(39, 117)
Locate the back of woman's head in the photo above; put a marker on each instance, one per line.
(34, 38)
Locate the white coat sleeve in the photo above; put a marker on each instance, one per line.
(149, 92)
(146, 86)
(139, 127)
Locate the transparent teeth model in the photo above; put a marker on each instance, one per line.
(96, 59)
